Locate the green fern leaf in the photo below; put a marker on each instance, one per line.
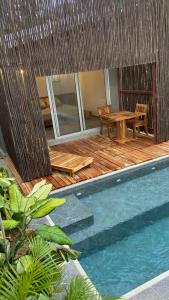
(81, 288)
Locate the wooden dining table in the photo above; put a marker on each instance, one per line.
(120, 119)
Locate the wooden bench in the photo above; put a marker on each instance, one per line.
(69, 163)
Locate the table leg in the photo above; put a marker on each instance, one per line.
(121, 132)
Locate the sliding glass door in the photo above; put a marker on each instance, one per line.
(74, 99)
(63, 91)
(113, 89)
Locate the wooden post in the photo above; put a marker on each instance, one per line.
(154, 101)
(119, 89)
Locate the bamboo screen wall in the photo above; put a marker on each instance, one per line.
(46, 37)
(136, 86)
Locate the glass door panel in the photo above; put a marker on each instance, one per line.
(66, 102)
(92, 88)
(45, 107)
(113, 83)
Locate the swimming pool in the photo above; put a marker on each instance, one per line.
(128, 243)
(126, 264)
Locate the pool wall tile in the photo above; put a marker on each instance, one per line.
(73, 215)
(87, 241)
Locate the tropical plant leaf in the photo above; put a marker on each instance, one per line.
(54, 234)
(37, 186)
(24, 263)
(43, 277)
(8, 248)
(10, 224)
(2, 259)
(47, 207)
(42, 297)
(66, 253)
(2, 202)
(15, 198)
(3, 173)
(29, 202)
(42, 192)
(18, 202)
(81, 288)
(39, 247)
(4, 182)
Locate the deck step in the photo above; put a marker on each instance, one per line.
(73, 216)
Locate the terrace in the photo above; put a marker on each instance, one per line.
(108, 156)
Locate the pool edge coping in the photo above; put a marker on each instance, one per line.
(148, 284)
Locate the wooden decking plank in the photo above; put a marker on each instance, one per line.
(117, 162)
(108, 156)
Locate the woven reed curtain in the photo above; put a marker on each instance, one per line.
(27, 144)
(45, 37)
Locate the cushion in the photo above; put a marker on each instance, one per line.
(46, 102)
(42, 103)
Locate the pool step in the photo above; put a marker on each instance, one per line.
(73, 216)
(87, 240)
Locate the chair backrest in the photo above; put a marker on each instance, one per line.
(103, 110)
(141, 108)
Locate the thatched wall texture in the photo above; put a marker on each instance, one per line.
(46, 37)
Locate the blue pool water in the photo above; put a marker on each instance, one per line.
(129, 241)
(122, 266)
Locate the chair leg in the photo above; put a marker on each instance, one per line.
(126, 131)
(146, 129)
(108, 130)
(101, 129)
(134, 131)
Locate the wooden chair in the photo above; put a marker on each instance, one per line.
(142, 121)
(103, 110)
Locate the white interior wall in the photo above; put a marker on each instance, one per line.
(92, 90)
(64, 84)
(41, 85)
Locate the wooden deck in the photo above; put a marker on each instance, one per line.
(108, 156)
